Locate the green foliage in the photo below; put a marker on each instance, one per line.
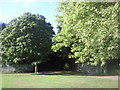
(90, 30)
(26, 39)
(36, 63)
(66, 66)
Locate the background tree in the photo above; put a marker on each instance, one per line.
(89, 30)
(26, 39)
(2, 26)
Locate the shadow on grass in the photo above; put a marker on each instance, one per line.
(53, 74)
(73, 74)
(63, 73)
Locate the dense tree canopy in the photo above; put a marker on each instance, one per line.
(89, 30)
(27, 38)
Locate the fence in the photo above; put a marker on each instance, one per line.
(16, 68)
(89, 69)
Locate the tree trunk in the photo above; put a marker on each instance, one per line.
(36, 69)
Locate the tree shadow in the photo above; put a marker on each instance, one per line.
(72, 74)
(53, 74)
(63, 73)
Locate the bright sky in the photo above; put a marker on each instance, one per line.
(10, 9)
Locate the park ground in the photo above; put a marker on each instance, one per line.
(57, 80)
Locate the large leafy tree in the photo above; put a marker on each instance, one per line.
(89, 30)
(27, 39)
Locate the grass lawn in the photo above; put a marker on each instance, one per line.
(0, 81)
(55, 81)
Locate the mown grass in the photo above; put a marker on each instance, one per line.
(55, 81)
(0, 80)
